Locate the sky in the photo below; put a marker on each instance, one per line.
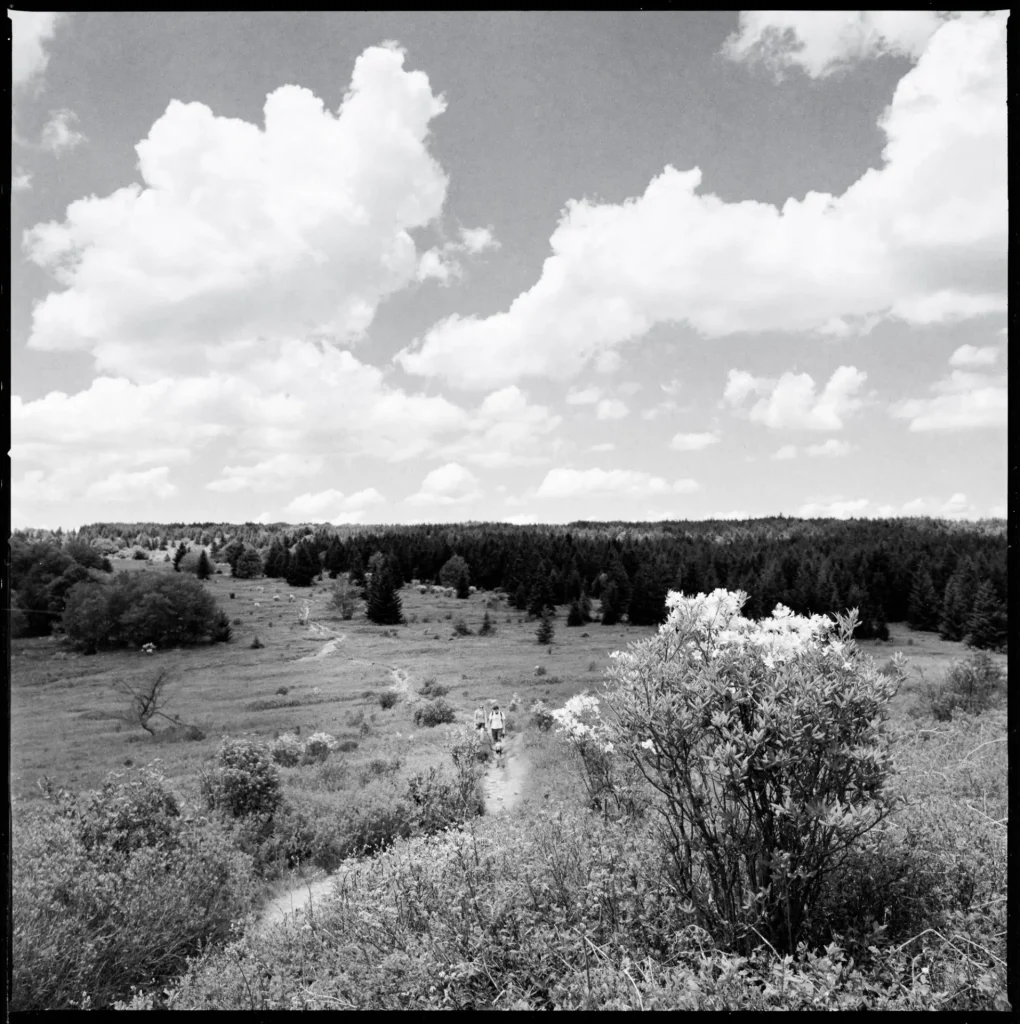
(522, 267)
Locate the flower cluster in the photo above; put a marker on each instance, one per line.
(579, 720)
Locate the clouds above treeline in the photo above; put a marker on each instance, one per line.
(227, 299)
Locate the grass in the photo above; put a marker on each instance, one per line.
(67, 725)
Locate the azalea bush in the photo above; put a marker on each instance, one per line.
(245, 779)
(766, 746)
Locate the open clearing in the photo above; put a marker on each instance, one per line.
(318, 672)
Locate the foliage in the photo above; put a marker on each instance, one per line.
(318, 747)
(244, 780)
(453, 570)
(766, 744)
(969, 686)
(304, 566)
(431, 688)
(486, 628)
(987, 628)
(248, 565)
(204, 568)
(435, 712)
(117, 890)
(388, 699)
(545, 632)
(384, 607)
(541, 716)
(287, 749)
(220, 633)
(343, 598)
(461, 628)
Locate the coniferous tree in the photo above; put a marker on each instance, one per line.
(923, 610)
(648, 597)
(182, 550)
(248, 565)
(610, 603)
(383, 606)
(463, 589)
(956, 604)
(574, 616)
(204, 568)
(987, 626)
(486, 627)
(356, 568)
(544, 633)
(273, 567)
(304, 566)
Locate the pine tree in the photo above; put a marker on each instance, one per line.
(545, 631)
(956, 605)
(463, 589)
(574, 616)
(648, 597)
(923, 611)
(486, 627)
(274, 560)
(521, 597)
(248, 565)
(610, 603)
(204, 570)
(179, 554)
(304, 566)
(987, 627)
(383, 600)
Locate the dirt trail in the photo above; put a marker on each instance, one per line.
(334, 641)
(504, 783)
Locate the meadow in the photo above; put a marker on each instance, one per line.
(318, 673)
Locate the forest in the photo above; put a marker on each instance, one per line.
(936, 575)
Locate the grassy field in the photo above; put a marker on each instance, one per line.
(66, 715)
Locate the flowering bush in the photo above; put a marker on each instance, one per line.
(245, 780)
(319, 746)
(541, 715)
(766, 744)
(287, 750)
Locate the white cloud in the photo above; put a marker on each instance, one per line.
(310, 507)
(31, 30)
(568, 483)
(973, 355)
(367, 498)
(523, 519)
(916, 507)
(821, 42)
(672, 388)
(692, 442)
(963, 401)
(451, 484)
(611, 409)
(299, 228)
(832, 448)
(832, 508)
(21, 181)
(608, 362)
(737, 513)
(922, 238)
(475, 240)
(660, 409)
(278, 471)
(58, 134)
(791, 402)
(333, 505)
(629, 388)
(585, 396)
(788, 451)
(605, 446)
(122, 486)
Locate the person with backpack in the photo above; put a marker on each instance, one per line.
(496, 724)
(479, 720)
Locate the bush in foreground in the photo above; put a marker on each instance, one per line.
(117, 890)
(435, 712)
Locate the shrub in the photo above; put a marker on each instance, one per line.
(256, 643)
(318, 747)
(435, 712)
(541, 715)
(343, 598)
(220, 632)
(970, 686)
(116, 891)
(283, 690)
(766, 742)
(460, 627)
(140, 556)
(540, 670)
(486, 628)
(388, 700)
(346, 746)
(430, 688)
(245, 781)
(287, 750)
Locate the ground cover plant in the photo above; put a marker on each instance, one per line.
(934, 866)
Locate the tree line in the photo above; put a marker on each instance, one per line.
(937, 575)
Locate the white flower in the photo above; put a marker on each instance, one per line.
(647, 744)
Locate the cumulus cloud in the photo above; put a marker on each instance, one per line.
(59, 135)
(333, 505)
(605, 446)
(660, 409)
(922, 238)
(241, 233)
(962, 401)
(692, 442)
(832, 448)
(567, 483)
(583, 396)
(122, 486)
(21, 181)
(821, 42)
(278, 471)
(973, 355)
(833, 508)
(451, 484)
(791, 401)
(788, 451)
(611, 409)
(30, 31)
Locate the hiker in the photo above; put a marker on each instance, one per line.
(496, 724)
(479, 719)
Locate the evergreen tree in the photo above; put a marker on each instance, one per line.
(956, 605)
(204, 569)
(232, 552)
(545, 631)
(486, 627)
(304, 566)
(383, 600)
(463, 589)
(182, 550)
(574, 616)
(541, 595)
(274, 560)
(923, 611)
(334, 562)
(247, 565)
(356, 568)
(648, 597)
(584, 602)
(610, 603)
(987, 627)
